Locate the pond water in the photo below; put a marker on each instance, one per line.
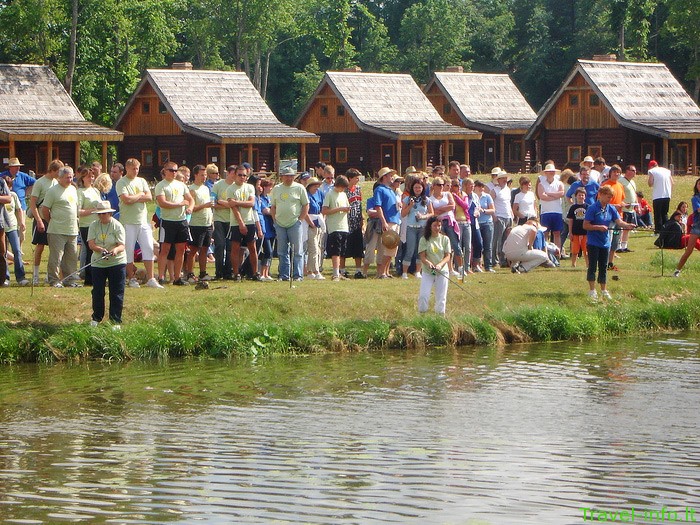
(519, 435)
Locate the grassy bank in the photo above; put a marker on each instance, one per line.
(247, 318)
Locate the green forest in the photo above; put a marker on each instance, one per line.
(99, 48)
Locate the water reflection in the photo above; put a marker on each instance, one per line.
(518, 435)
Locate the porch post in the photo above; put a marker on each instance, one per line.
(77, 153)
(503, 150)
(222, 158)
(425, 156)
(104, 156)
(12, 148)
(466, 154)
(250, 153)
(398, 156)
(446, 153)
(276, 165)
(664, 153)
(49, 154)
(303, 156)
(695, 157)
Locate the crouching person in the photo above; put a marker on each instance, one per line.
(519, 249)
(434, 250)
(106, 238)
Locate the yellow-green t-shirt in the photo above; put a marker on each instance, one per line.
(132, 213)
(12, 208)
(173, 191)
(435, 248)
(63, 203)
(88, 198)
(41, 186)
(337, 222)
(243, 192)
(107, 236)
(220, 190)
(288, 202)
(205, 216)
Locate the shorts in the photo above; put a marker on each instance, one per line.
(554, 222)
(355, 247)
(630, 217)
(695, 228)
(201, 236)
(578, 243)
(337, 243)
(236, 236)
(173, 232)
(383, 251)
(40, 237)
(141, 233)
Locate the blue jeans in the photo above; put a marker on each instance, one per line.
(116, 275)
(412, 240)
(222, 251)
(285, 237)
(476, 242)
(486, 229)
(465, 239)
(501, 228)
(13, 240)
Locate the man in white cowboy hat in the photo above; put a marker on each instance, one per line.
(389, 214)
(504, 215)
(588, 162)
(60, 208)
(289, 206)
(491, 185)
(20, 180)
(550, 191)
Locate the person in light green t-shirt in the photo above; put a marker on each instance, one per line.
(434, 250)
(222, 225)
(336, 207)
(201, 224)
(289, 206)
(39, 238)
(60, 208)
(244, 218)
(88, 199)
(106, 238)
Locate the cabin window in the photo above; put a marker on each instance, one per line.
(147, 158)
(593, 100)
(145, 108)
(324, 111)
(162, 109)
(573, 100)
(446, 108)
(515, 151)
(680, 158)
(341, 155)
(163, 156)
(595, 151)
(574, 154)
(325, 155)
(648, 153)
(340, 111)
(417, 157)
(213, 154)
(243, 157)
(451, 150)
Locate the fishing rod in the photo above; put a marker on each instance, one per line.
(105, 255)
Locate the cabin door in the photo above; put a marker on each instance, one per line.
(679, 158)
(648, 153)
(417, 157)
(490, 154)
(388, 152)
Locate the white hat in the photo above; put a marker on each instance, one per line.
(496, 171)
(103, 207)
(287, 171)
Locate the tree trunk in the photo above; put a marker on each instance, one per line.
(266, 72)
(73, 48)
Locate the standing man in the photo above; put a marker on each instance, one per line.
(39, 237)
(222, 224)
(594, 174)
(453, 170)
(503, 219)
(134, 193)
(336, 208)
(660, 181)
(60, 209)
(587, 184)
(629, 212)
(5, 199)
(289, 205)
(241, 201)
(116, 173)
(386, 204)
(20, 180)
(201, 224)
(550, 191)
(175, 203)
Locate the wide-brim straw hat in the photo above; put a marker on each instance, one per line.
(390, 239)
(551, 168)
(410, 170)
(385, 171)
(103, 207)
(496, 171)
(312, 182)
(14, 161)
(587, 158)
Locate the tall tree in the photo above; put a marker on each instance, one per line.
(682, 24)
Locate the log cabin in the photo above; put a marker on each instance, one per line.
(626, 112)
(200, 117)
(489, 103)
(370, 120)
(39, 121)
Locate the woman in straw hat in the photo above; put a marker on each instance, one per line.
(106, 239)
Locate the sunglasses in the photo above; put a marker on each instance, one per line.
(171, 169)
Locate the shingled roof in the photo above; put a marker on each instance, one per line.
(391, 105)
(34, 106)
(641, 96)
(485, 101)
(222, 106)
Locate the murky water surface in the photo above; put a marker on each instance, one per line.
(524, 435)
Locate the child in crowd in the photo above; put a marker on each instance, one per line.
(336, 207)
(683, 209)
(644, 211)
(575, 218)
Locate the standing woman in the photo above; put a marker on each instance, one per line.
(414, 213)
(444, 207)
(434, 250)
(694, 229)
(88, 199)
(106, 239)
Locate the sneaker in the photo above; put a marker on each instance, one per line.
(404, 276)
(180, 282)
(205, 277)
(514, 268)
(191, 278)
(133, 283)
(360, 275)
(58, 285)
(344, 273)
(455, 273)
(256, 277)
(336, 278)
(677, 273)
(320, 277)
(94, 323)
(152, 283)
(298, 279)
(266, 279)
(312, 276)
(418, 275)
(35, 281)
(606, 295)
(116, 327)
(283, 279)
(491, 270)
(23, 282)
(74, 284)
(593, 295)
(478, 269)
(237, 278)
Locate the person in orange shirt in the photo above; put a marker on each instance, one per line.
(617, 200)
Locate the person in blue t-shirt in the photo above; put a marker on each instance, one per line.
(596, 222)
(387, 206)
(587, 184)
(20, 180)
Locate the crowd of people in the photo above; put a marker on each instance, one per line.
(435, 226)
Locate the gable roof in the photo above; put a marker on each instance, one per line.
(485, 101)
(642, 96)
(222, 106)
(35, 106)
(389, 104)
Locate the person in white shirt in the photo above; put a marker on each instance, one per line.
(503, 219)
(660, 181)
(550, 191)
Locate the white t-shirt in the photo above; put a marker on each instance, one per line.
(553, 187)
(501, 201)
(662, 183)
(526, 204)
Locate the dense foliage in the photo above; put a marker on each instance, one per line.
(101, 47)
